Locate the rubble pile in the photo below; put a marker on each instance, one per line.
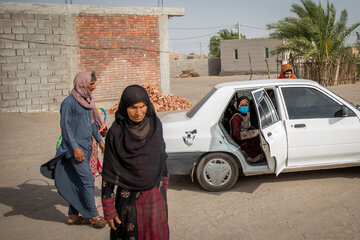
(162, 102)
(188, 73)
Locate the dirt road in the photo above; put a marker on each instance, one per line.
(306, 205)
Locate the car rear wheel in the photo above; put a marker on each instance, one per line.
(217, 172)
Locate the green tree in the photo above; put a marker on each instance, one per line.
(224, 34)
(314, 35)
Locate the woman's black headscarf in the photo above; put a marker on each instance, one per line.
(134, 155)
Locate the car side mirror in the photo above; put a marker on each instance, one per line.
(358, 107)
(344, 111)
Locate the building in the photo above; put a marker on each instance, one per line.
(242, 56)
(43, 46)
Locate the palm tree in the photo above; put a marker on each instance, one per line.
(224, 34)
(314, 35)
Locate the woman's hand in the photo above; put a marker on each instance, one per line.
(111, 222)
(104, 131)
(102, 146)
(78, 155)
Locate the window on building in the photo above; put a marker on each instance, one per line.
(266, 52)
(236, 54)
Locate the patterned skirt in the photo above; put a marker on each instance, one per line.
(95, 164)
(143, 215)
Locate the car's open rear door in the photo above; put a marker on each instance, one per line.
(272, 130)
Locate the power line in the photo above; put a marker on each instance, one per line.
(175, 39)
(197, 28)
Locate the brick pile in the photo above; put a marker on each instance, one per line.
(162, 102)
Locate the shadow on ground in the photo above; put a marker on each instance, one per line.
(36, 199)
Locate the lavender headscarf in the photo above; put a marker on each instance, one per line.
(83, 96)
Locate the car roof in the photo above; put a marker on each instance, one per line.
(265, 83)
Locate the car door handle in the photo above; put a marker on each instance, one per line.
(269, 134)
(299, 125)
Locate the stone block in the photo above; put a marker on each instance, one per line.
(11, 74)
(4, 89)
(34, 108)
(42, 30)
(19, 30)
(32, 66)
(30, 23)
(7, 52)
(8, 81)
(62, 86)
(33, 94)
(32, 80)
(12, 88)
(55, 93)
(45, 72)
(34, 37)
(23, 109)
(44, 79)
(20, 52)
(3, 74)
(44, 94)
(61, 71)
(59, 99)
(36, 59)
(21, 45)
(35, 101)
(22, 102)
(9, 45)
(23, 73)
(7, 30)
(6, 22)
(4, 104)
(9, 67)
(46, 100)
(26, 59)
(8, 36)
(22, 95)
(18, 15)
(34, 87)
(45, 108)
(20, 80)
(47, 86)
(23, 88)
(52, 38)
(57, 30)
(19, 37)
(52, 23)
(54, 107)
(12, 102)
(54, 79)
(53, 51)
(32, 52)
(17, 59)
(9, 96)
(21, 66)
(42, 16)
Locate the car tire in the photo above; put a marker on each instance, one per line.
(217, 172)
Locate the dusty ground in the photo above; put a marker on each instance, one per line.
(306, 205)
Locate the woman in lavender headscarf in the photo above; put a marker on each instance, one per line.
(73, 178)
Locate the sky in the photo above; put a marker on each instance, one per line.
(204, 18)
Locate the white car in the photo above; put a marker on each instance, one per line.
(303, 126)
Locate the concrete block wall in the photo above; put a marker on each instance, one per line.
(121, 49)
(34, 62)
(43, 47)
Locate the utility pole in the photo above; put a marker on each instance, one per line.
(238, 25)
(201, 50)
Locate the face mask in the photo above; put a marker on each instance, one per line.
(244, 110)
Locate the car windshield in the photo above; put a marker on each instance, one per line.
(198, 105)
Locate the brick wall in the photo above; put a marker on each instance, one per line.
(121, 49)
(33, 61)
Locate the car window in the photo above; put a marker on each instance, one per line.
(268, 115)
(197, 106)
(306, 102)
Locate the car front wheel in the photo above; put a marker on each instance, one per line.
(217, 172)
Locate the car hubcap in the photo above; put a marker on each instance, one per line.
(217, 172)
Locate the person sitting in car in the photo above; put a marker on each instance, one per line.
(244, 134)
